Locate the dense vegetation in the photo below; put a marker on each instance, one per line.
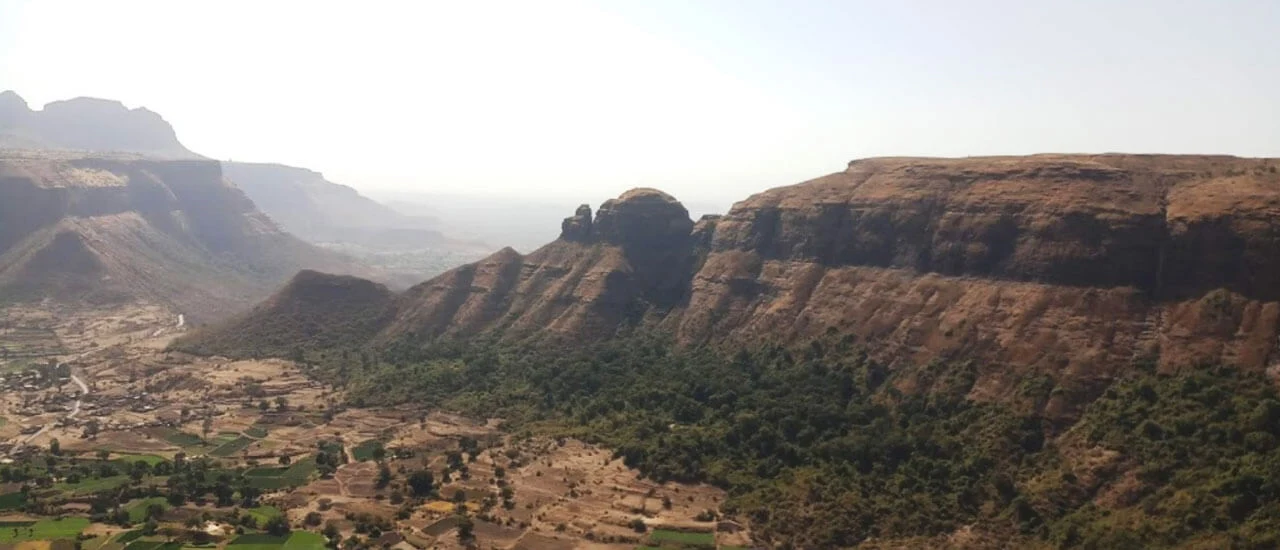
(818, 447)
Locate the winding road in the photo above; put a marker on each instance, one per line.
(84, 388)
(75, 408)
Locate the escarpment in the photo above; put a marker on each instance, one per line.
(77, 227)
(1070, 265)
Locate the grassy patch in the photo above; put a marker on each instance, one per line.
(231, 447)
(138, 509)
(46, 529)
(130, 458)
(263, 513)
(666, 536)
(256, 432)
(364, 451)
(297, 540)
(92, 485)
(182, 439)
(305, 540)
(299, 473)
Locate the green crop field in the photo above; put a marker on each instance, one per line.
(661, 536)
(153, 545)
(298, 540)
(256, 432)
(305, 540)
(92, 485)
(299, 473)
(128, 536)
(11, 501)
(138, 509)
(231, 447)
(263, 513)
(182, 439)
(364, 451)
(45, 529)
(130, 458)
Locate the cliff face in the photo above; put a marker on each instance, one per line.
(1072, 266)
(77, 227)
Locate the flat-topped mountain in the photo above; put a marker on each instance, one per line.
(301, 201)
(1074, 265)
(87, 124)
(101, 228)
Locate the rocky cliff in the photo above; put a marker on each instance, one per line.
(1073, 266)
(78, 227)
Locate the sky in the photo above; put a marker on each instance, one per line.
(710, 100)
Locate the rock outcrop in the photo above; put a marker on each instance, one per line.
(1071, 266)
(76, 227)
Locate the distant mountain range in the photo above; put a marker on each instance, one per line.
(300, 200)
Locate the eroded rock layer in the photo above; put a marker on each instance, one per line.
(1075, 266)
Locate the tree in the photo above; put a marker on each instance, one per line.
(282, 404)
(422, 483)
(206, 426)
(313, 519)
(277, 526)
(384, 476)
(285, 460)
(55, 448)
(103, 454)
(466, 530)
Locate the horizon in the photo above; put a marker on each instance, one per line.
(710, 102)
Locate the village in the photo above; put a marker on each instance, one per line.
(140, 448)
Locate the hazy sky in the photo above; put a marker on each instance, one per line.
(710, 100)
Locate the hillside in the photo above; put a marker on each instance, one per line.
(1047, 351)
(1065, 264)
(76, 227)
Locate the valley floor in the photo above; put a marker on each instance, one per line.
(88, 395)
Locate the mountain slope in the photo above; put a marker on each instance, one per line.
(1070, 265)
(304, 203)
(301, 201)
(1035, 352)
(76, 227)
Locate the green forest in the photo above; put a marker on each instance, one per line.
(818, 448)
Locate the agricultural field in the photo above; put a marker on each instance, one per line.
(45, 529)
(297, 540)
(210, 453)
(667, 537)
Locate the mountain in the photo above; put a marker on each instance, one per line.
(304, 203)
(87, 124)
(1067, 264)
(301, 201)
(1055, 351)
(85, 227)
